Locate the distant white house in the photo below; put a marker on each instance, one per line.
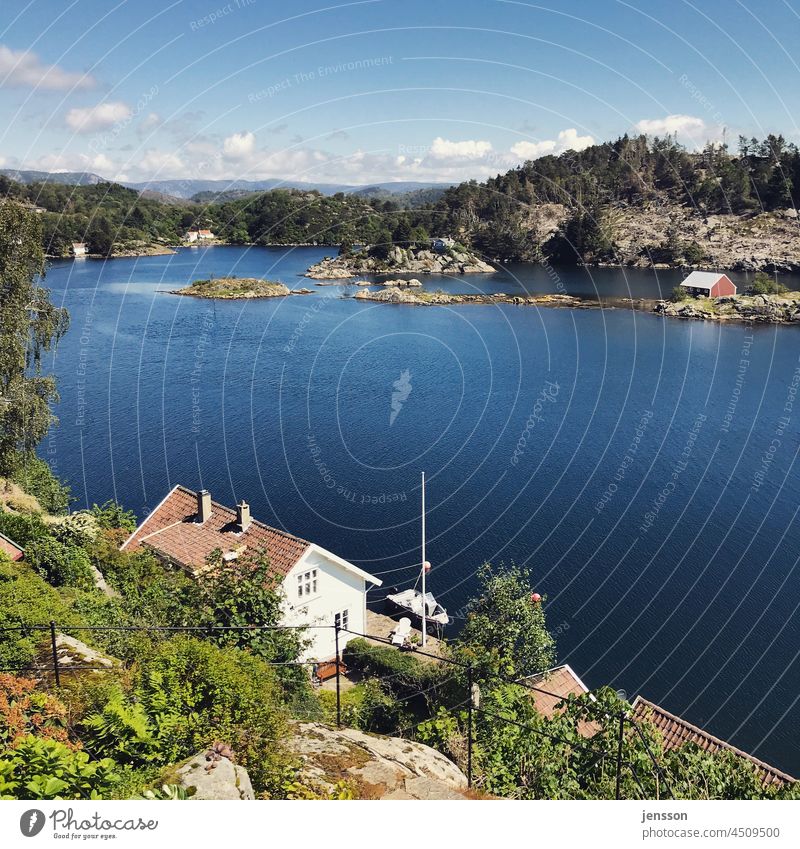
(79, 249)
(711, 284)
(319, 587)
(193, 236)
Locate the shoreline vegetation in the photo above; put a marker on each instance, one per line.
(636, 201)
(234, 288)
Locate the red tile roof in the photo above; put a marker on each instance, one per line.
(676, 731)
(173, 532)
(9, 547)
(559, 683)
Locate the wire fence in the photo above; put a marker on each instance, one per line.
(59, 667)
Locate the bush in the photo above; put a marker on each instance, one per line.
(367, 706)
(76, 529)
(195, 693)
(26, 599)
(678, 294)
(26, 711)
(60, 564)
(112, 516)
(121, 730)
(23, 529)
(38, 768)
(763, 284)
(35, 476)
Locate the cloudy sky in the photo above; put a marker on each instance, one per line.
(379, 90)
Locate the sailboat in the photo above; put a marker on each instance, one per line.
(421, 605)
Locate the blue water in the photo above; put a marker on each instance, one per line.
(522, 419)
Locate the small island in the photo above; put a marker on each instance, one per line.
(234, 288)
(396, 295)
(777, 308)
(447, 259)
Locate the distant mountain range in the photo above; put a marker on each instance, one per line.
(186, 189)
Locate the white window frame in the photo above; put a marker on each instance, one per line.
(307, 583)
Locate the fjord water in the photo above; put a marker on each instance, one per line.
(547, 436)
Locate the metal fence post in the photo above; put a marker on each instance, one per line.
(54, 649)
(338, 686)
(469, 726)
(619, 752)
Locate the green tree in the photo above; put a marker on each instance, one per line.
(29, 325)
(245, 593)
(383, 244)
(505, 631)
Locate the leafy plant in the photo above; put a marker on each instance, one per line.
(164, 793)
(121, 730)
(60, 564)
(111, 515)
(25, 710)
(40, 768)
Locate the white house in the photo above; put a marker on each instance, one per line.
(79, 249)
(319, 587)
(193, 236)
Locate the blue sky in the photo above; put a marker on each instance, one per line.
(367, 91)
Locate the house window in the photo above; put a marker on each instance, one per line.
(342, 620)
(307, 583)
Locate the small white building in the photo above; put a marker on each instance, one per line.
(319, 587)
(79, 249)
(194, 236)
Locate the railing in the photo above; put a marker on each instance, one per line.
(472, 702)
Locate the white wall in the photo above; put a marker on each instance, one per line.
(337, 589)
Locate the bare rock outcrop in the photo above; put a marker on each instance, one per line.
(455, 260)
(377, 767)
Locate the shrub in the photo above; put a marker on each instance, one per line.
(26, 711)
(75, 529)
(38, 768)
(35, 476)
(111, 515)
(367, 706)
(678, 294)
(27, 599)
(23, 529)
(60, 564)
(194, 693)
(121, 730)
(763, 284)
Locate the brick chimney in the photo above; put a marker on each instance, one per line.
(203, 505)
(243, 516)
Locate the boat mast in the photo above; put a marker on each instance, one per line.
(424, 603)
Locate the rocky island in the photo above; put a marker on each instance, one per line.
(452, 260)
(396, 295)
(770, 309)
(234, 288)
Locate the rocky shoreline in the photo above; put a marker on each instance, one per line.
(772, 309)
(454, 261)
(764, 309)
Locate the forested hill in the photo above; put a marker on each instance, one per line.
(634, 201)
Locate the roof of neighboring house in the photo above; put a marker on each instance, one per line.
(676, 731)
(703, 279)
(560, 682)
(204, 232)
(9, 547)
(173, 531)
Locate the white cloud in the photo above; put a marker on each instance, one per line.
(152, 121)
(239, 145)
(22, 68)
(566, 140)
(467, 149)
(88, 119)
(570, 140)
(671, 124)
(532, 150)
